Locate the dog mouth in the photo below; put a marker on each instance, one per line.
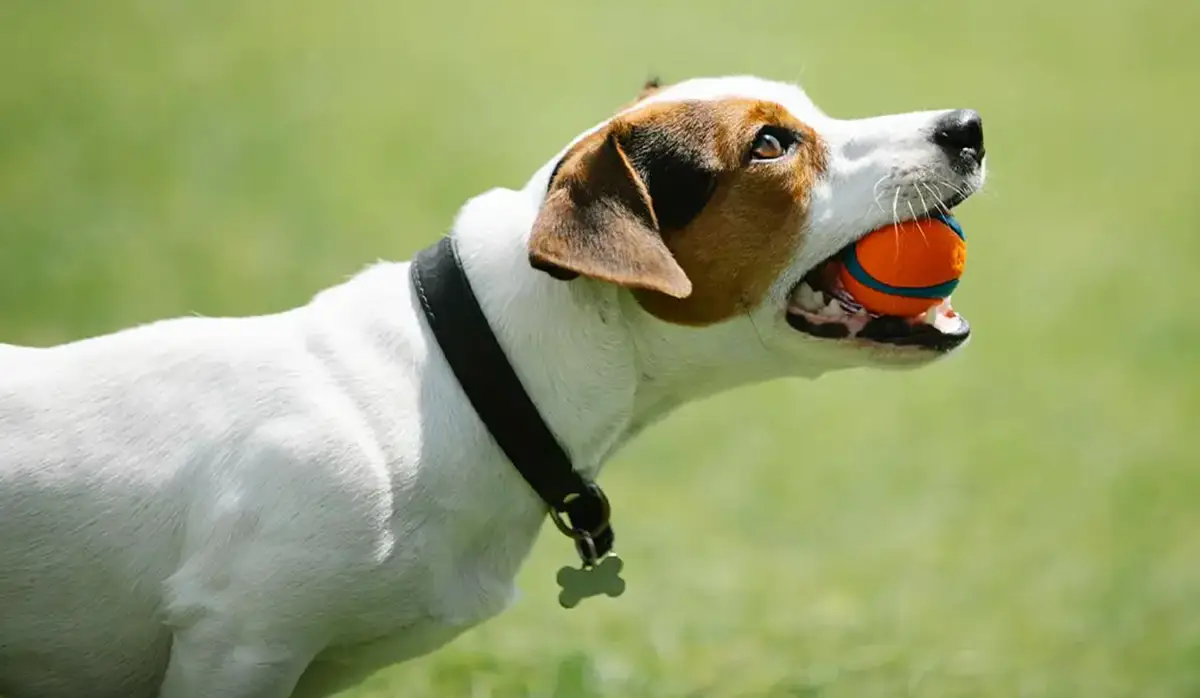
(821, 307)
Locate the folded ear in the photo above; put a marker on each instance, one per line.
(601, 218)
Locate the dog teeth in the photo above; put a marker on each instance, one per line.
(832, 310)
(931, 316)
(809, 298)
(850, 307)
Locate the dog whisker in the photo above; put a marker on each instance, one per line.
(917, 220)
(938, 202)
(958, 190)
(875, 193)
(924, 204)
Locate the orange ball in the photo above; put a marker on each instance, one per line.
(907, 268)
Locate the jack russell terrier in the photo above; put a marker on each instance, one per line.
(278, 506)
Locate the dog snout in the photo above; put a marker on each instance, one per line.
(959, 134)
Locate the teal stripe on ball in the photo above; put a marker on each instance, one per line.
(942, 290)
(951, 223)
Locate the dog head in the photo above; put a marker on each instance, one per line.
(715, 203)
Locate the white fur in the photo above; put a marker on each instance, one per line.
(277, 506)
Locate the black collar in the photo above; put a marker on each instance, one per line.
(496, 393)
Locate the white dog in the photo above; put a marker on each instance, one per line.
(277, 506)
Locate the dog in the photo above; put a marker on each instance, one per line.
(275, 506)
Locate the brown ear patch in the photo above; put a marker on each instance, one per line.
(666, 198)
(598, 221)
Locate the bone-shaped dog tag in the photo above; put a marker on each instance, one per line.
(602, 579)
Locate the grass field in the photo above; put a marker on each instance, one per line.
(1022, 521)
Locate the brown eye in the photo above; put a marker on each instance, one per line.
(767, 147)
(772, 143)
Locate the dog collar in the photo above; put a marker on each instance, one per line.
(577, 505)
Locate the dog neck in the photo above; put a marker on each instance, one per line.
(566, 341)
(598, 368)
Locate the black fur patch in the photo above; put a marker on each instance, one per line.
(677, 174)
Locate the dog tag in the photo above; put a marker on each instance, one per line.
(604, 578)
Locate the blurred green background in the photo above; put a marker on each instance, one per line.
(1023, 520)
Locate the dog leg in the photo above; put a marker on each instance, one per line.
(271, 551)
(215, 657)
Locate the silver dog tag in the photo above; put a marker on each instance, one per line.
(604, 578)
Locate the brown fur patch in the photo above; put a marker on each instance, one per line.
(736, 248)
(730, 224)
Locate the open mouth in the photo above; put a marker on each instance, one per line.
(820, 306)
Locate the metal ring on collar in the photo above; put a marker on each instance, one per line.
(578, 534)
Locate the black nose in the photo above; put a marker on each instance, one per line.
(960, 134)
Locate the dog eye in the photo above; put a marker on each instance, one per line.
(772, 143)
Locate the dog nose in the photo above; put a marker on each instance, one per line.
(960, 134)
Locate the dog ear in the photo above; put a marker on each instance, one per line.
(611, 201)
(653, 84)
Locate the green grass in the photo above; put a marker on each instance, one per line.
(1022, 521)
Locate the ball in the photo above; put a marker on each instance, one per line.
(907, 268)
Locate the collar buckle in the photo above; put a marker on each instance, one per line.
(584, 518)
